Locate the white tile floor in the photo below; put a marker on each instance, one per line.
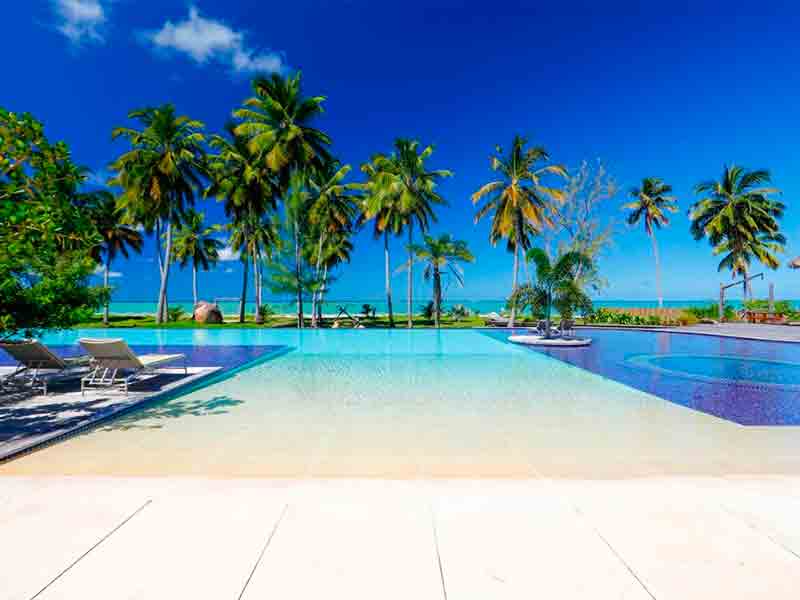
(151, 538)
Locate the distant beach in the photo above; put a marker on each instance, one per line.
(355, 306)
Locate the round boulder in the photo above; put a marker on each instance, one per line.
(205, 312)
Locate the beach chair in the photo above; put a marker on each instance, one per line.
(495, 320)
(567, 327)
(114, 363)
(37, 366)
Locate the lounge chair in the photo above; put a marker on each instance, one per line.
(37, 366)
(111, 356)
(495, 320)
(567, 327)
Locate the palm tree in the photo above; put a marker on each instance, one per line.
(556, 285)
(336, 250)
(407, 184)
(441, 256)
(385, 209)
(740, 220)
(118, 237)
(277, 122)
(196, 243)
(249, 191)
(332, 212)
(159, 176)
(297, 204)
(518, 196)
(650, 204)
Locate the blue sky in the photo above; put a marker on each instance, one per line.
(673, 90)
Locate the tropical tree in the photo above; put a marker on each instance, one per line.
(336, 250)
(196, 243)
(518, 196)
(159, 176)
(407, 184)
(740, 219)
(249, 191)
(117, 236)
(556, 286)
(46, 237)
(441, 256)
(277, 123)
(332, 211)
(384, 210)
(650, 205)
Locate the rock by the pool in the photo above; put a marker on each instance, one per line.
(205, 312)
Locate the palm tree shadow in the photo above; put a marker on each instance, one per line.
(172, 409)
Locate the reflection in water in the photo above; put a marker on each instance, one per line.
(188, 406)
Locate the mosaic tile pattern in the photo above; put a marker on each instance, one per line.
(748, 393)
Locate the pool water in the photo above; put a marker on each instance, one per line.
(377, 403)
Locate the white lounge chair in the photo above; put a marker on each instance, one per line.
(37, 366)
(495, 320)
(114, 363)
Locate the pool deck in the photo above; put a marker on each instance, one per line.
(33, 421)
(766, 332)
(664, 538)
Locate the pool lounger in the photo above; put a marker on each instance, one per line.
(111, 356)
(37, 366)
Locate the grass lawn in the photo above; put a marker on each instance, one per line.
(281, 321)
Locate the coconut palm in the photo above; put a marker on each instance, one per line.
(277, 122)
(336, 250)
(249, 191)
(407, 184)
(196, 243)
(650, 205)
(118, 237)
(518, 196)
(297, 203)
(740, 219)
(556, 285)
(159, 176)
(441, 256)
(385, 210)
(332, 211)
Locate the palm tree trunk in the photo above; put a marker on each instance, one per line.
(243, 299)
(195, 295)
(659, 291)
(257, 286)
(410, 291)
(437, 296)
(105, 284)
(388, 277)
(315, 295)
(527, 269)
(322, 291)
(163, 308)
(300, 318)
(514, 285)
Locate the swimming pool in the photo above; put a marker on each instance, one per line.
(379, 403)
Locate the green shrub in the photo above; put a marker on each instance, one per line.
(176, 313)
(781, 306)
(427, 310)
(266, 311)
(459, 311)
(368, 311)
(711, 311)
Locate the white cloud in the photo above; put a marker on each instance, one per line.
(81, 20)
(99, 271)
(205, 39)
(228, 254)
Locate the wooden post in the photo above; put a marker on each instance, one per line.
(771, 297)
(721, 301)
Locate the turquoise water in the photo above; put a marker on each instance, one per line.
(379, 403)
(355, 306)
